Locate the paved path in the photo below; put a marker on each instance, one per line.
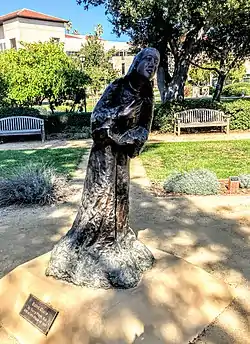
(212, 232)
(245, 135)
(152, 138)
(53, 144)
(6, 338)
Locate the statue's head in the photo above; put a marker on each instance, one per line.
(146, 62)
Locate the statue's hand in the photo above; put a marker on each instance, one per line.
(101, 135)
(133, 150)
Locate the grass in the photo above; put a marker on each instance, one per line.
(63, 160)
(225, 158)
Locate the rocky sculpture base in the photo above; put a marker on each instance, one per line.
(117, 266)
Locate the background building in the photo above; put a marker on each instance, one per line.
(31, 26)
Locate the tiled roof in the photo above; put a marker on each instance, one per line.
(25, 13)
(73, 36)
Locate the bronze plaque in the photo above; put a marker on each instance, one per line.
(39, 314)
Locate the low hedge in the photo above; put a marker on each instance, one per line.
(58, 122)
(238, 109)
(25, 111)
(62, 121)
(195, 182)
(237, 89)
(33, 184)
(244, 181)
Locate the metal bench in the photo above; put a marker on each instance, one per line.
(195, 118)
(22, 125)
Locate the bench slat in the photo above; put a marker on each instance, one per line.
(201, 118)
(22, 125)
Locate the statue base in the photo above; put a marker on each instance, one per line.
(173, 302)
(98, 266)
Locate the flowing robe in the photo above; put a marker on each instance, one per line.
(120, 123)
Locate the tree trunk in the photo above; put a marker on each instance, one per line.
(175, 89)
(219, 87)
(161, 82)
(163, 76)
(51, 106)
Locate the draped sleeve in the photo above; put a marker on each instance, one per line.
(122, 116)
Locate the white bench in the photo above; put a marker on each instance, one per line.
(195, 118)
(22, 125)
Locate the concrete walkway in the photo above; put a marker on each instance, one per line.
(211, 232)
(52, 144)
(233, 135)
(154, 137)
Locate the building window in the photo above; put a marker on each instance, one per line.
(55, 40)
(119, 53)
(2, 46)
(72, 53)
(13, 43)
(123, 68)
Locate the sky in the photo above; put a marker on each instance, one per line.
(83, 21)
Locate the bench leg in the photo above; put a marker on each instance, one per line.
(179, 130)
(42, 134)
(227, 126)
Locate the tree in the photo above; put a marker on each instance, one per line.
(3, 89)
(18, 74)
(97, 62)
(199, 76)
(40, 71)
(228, 44)
(69, 26)
(75, 87)
(164, 25)
(76, 32)
(236, 74)
(178, 28)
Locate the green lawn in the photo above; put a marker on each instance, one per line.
(225, 158)
(64, 160)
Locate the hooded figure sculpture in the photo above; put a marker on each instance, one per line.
(101, 250)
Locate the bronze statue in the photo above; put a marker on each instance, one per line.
(101, 250)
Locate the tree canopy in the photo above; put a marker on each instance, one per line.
(228, 43)
(3, 89)
(97, 62)
(177, 29)
(40, 71)
(200, 76)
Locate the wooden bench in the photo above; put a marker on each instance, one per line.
(22, 125)
(195, 118)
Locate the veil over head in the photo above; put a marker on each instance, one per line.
(140, 56)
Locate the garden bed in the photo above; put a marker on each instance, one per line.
(157, 190)
(224, 158)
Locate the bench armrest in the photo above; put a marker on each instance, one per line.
(176, 117)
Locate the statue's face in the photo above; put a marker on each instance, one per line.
(148, 65)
